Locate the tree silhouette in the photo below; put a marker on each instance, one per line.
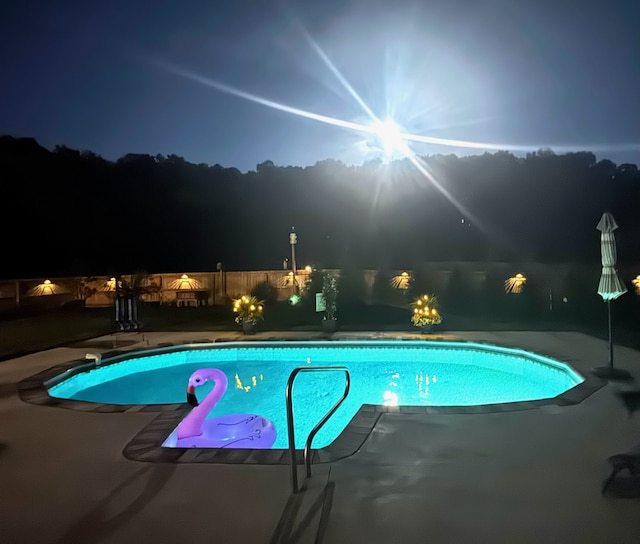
(163, 213)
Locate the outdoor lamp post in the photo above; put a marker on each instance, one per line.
(219, 269)
(293, 239)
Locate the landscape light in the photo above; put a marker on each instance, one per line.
(515, 284)
(401, 281)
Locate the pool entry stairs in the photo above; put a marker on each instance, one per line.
(305, 516)
(290, 423)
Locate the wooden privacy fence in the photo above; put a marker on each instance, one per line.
(547, 283)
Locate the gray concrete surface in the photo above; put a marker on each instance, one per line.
(512, 477)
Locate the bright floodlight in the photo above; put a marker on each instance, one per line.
(390, 136)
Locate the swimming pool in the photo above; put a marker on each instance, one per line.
(402, 373)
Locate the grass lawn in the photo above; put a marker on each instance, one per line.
(20, 335)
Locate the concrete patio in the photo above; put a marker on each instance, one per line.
(524, 476)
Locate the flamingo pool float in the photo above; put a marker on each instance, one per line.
(230, 431)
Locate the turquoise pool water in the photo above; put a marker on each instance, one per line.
(386, 373)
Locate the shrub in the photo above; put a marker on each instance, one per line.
(351, 291)
(421, 280)
(425, 311)
(265, 291)
(249, 309)
(330, 293)
(384, 291)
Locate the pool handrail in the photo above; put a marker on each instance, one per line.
(314, 431)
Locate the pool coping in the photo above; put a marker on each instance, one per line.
(146, 446)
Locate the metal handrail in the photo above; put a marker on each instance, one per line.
(312, 434)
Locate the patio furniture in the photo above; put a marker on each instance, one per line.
(631, 400)
(629, 459)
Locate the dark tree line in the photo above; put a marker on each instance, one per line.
(70, 212)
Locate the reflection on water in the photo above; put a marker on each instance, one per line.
(422, 381)
(401, 391)
(390, 398)
(253, 379)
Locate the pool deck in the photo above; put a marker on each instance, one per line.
(524, 476)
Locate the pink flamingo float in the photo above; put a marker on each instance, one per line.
(230, 431)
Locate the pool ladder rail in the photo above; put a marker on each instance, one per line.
(314, 431)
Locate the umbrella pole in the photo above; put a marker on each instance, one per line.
(610, 336)
(608, 372)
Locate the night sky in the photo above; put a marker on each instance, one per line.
(163, 77)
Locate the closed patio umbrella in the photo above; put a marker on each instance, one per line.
(610, 288)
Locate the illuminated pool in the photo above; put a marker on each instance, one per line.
(403, 373)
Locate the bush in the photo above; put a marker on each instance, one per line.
(383, 290)
(265, 291)
(460, 298)
(351, 290)
(425, 311)
(330, 293)
(421, 281)
(249, 309)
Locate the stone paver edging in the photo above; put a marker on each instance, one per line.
(147, 445)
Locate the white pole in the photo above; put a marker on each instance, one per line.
(293, 239)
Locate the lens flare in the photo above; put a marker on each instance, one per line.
(390, 137)
(368, 129)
